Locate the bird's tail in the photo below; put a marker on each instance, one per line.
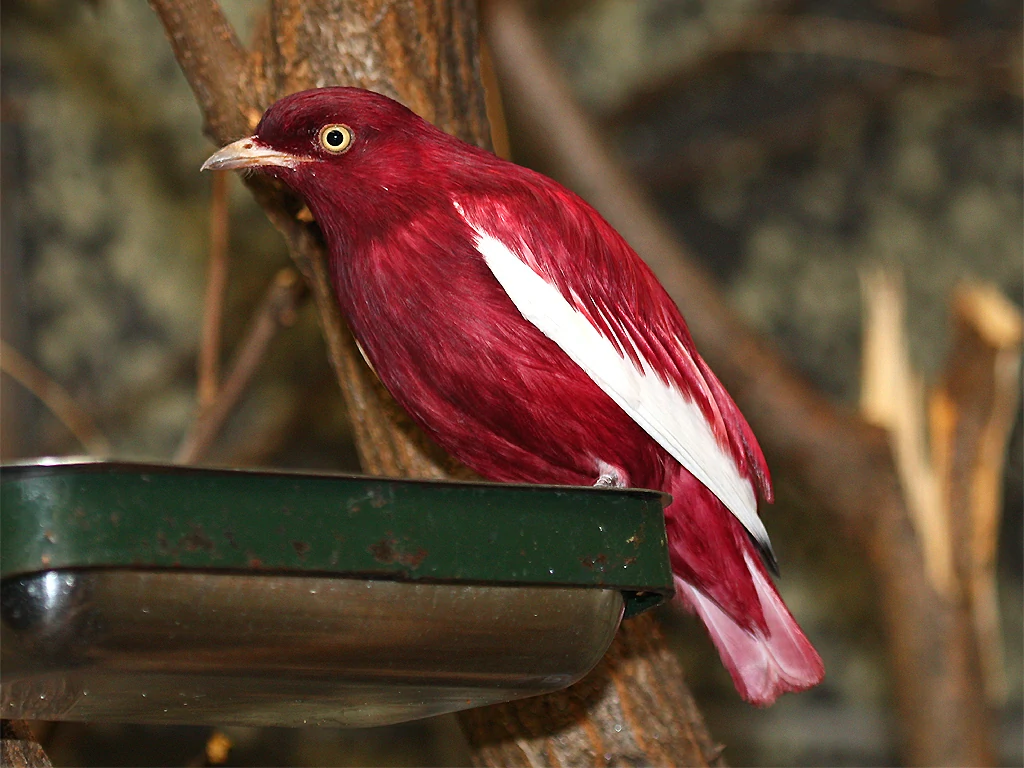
(721, 578)
(763, 665)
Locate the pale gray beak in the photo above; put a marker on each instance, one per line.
(250, 153)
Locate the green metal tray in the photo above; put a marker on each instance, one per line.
(156, 593)
(97, 514)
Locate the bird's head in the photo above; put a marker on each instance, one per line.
(342, 149)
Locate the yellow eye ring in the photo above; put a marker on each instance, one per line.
(335, 138)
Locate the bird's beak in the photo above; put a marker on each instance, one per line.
(250, 153)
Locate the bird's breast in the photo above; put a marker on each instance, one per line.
(451, 347)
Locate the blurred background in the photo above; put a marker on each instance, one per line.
(790, 144)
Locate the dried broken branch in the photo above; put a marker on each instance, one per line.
(973, 413)
(835, 456)
(951, 475)
(892, 397)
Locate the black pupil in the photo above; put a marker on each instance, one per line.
(335, 137)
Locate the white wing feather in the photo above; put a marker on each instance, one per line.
(661, 409)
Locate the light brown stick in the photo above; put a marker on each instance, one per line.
(55, 398)
(973, 414)
(213, 300)
(277, 310)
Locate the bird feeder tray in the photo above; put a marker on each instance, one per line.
(163, 594)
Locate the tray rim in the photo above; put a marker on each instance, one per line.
(28, 545)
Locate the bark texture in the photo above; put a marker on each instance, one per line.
(19, 748)
(621, 714)
(426, 54)
(832, 453)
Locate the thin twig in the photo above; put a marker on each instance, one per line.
(277, 310)
(993, 60)
(213, 302)
(877, 44)
(55, 398)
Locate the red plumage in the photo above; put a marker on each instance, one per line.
(420, 226)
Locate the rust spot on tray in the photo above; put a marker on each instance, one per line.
(197, 539)
(383, 551)
(639, 537)
(599, 563)
(301, 548)
(386, 551)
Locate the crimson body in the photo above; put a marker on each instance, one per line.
(527, 338)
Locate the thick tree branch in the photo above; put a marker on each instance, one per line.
(425, 53)
(19, 748)
(653, 723)
(833, 454)
(215, 65)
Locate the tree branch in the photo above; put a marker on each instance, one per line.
(215, 65)
(424, 52)
(213, 300)
(833, 454)
(276, 310)
(651, 723)
(19, 748)
(55, 398)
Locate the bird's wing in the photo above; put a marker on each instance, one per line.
(573, 277)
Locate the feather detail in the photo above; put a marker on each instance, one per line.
(763, 663)
(658, 405)
(526, 337)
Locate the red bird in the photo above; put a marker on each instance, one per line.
(526, 337)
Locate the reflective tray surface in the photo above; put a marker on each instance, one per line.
(190, 648)
(163, 594)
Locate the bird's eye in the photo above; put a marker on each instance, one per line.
(335, 138)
